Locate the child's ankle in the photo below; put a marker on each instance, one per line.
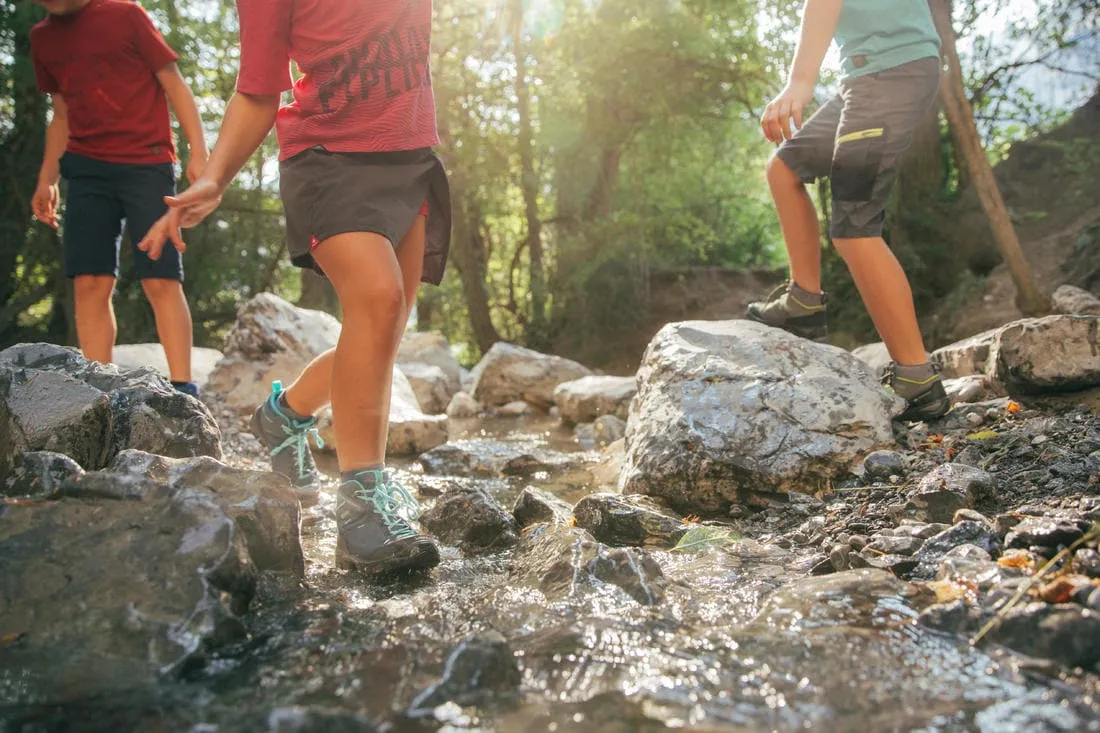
(188, 388)
(289, 411)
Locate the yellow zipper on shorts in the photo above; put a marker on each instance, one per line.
(861, 135)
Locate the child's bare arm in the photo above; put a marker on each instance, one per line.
(45, 200)
(187, 112)
(819, 21)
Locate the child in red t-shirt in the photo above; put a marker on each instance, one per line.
(356, 171)
(111, 77)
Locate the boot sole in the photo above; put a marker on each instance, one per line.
(425, 556)
(810, 333)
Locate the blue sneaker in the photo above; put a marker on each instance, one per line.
(374, 531)
(288, 441)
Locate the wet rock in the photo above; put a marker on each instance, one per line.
(911, 528)
(299, 719)
(563, 561)
(972, 563)
(841, 599)
(430, 348)
(1086, 561)
(534, 506)
(270, 340)
(636, 521)
(969, 515)
(585, 399)
(962, 416)
(946, 490)
(39, 474)
(966, 389)
(963, 533)
(840, 557)
(519, 408)
(472, 520)
(966, 357)
(490, 458)
(733, 406)
(893, 545)
(463, 406)
(954, 617)
(895, 564)
(1066, 633)
(263, 506)
(52, 399)
(1074, 301)
(876, 356)
(1004, 523)
(508, 373)
(609, 429)
(137, 356)
(1044, 532)
(160, 582)
(880, 465)
(480, 670)
(1052, 354)
(431, 386)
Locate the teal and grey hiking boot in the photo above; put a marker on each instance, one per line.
(793, 309)
(922, 387)
(374, 534)
(287, 437)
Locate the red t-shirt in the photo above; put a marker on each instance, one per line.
(365, 85)
(103, 61)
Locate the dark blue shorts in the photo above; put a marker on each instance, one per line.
(100, 197)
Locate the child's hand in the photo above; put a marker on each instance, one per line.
(195, 165)
(776, 121)
(44, 204)
(184, 212)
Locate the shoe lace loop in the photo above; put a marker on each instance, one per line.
(298, 435)
(394, 504)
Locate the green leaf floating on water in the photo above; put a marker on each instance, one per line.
(700, 537)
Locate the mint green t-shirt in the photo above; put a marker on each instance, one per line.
(875, 35)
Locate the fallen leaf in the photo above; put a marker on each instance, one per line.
(1059, 590)
(701, 537)
(1013, 407)
(1016, 559)
(983, 435)
(10, 639)
(948, 590)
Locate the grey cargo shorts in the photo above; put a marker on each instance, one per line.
(857, 140)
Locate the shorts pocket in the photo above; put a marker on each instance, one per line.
(857, 160)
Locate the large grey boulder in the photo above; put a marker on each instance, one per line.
(727, 407)
(135, 356)
(966, 357)
(135, 572)
(1072, 300)
(873, 355)
(585, 399)
(52, 399)
(431, 348)
(509, 373)
(431, 386)
(1051, 354)
(271, 339)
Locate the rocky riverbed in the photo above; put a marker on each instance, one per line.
(943, 577)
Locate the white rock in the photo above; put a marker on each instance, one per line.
(132, 356)
(1073, 300)
(874, 355)
(508, 373)
(585, 399)
(463, 406)
(430, 347)
(271, 339)
(1052, 354)
(731, 406)
(967, 357)
(519, 408)
(430, 383)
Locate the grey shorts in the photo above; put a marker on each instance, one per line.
(857, 140)
(325, 194)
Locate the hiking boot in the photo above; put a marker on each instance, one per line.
(373, 530)
(922, 387)
(287, 438)
(794, 310)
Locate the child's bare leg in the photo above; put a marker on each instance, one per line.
(312, 390)
(173, 319)
(96, 328)
(885, 291)
(798, 220)
(368, 281)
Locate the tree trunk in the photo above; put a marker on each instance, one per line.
(1030, 299)
(318, 293)
(529, 184)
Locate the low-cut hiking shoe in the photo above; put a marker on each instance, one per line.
(288, 441)
(374, 534)
(926, 398)
(784, 309)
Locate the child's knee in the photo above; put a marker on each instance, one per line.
(380, 297)
(93, 287)
(160, 289)
(780, 174)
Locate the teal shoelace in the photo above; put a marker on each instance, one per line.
(298, 434)
(394, 504)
